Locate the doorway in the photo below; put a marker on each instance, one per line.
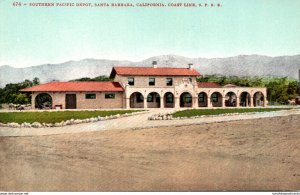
(70, 101)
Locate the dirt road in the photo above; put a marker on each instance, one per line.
(139, 121)
(258, 154)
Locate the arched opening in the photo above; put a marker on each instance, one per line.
(186, 100)
(202, 99)
(169, 100)
(245, 99)
(230, 99)
(153, 100)
(258, 99)
(43, 101)
(216, 99)
(136, 100)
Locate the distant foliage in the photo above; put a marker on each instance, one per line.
(279, 89)
(99, 78)
(10, 93)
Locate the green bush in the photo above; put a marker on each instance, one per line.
(11, 92)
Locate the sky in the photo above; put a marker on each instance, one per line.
(39, 35)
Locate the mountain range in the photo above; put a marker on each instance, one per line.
(242, 65)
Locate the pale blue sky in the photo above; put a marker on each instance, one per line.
(38, 35)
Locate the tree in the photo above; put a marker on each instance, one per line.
(98, 78)
(298, 88)
(21, 99)
(11, 92)
(36, 81)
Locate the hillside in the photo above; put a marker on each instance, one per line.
(242, 65)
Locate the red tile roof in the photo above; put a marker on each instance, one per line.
(208, 85)
(76, 86)
(150, 71)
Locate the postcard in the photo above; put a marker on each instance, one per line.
(140, 95)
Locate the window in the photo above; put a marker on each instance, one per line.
(130, 81)
(151, 81)
(150, 98)
(90, 96)
(187, 98)
(190, 79)
(201, 97)
(169, 98)
(169, 81)
(109, 96)
(139, 98)
(214, 97)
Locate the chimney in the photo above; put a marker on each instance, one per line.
(191, 66)
(154, 63)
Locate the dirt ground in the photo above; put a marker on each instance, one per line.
(260, 154)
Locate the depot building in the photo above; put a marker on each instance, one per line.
(145, 87)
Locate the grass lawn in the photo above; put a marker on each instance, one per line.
(200, 112)
(54, 117)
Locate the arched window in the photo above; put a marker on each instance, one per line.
(169, 98)
(139, 98)
(150, 97)
(188, 98)
(201, 97)
(215, 97)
